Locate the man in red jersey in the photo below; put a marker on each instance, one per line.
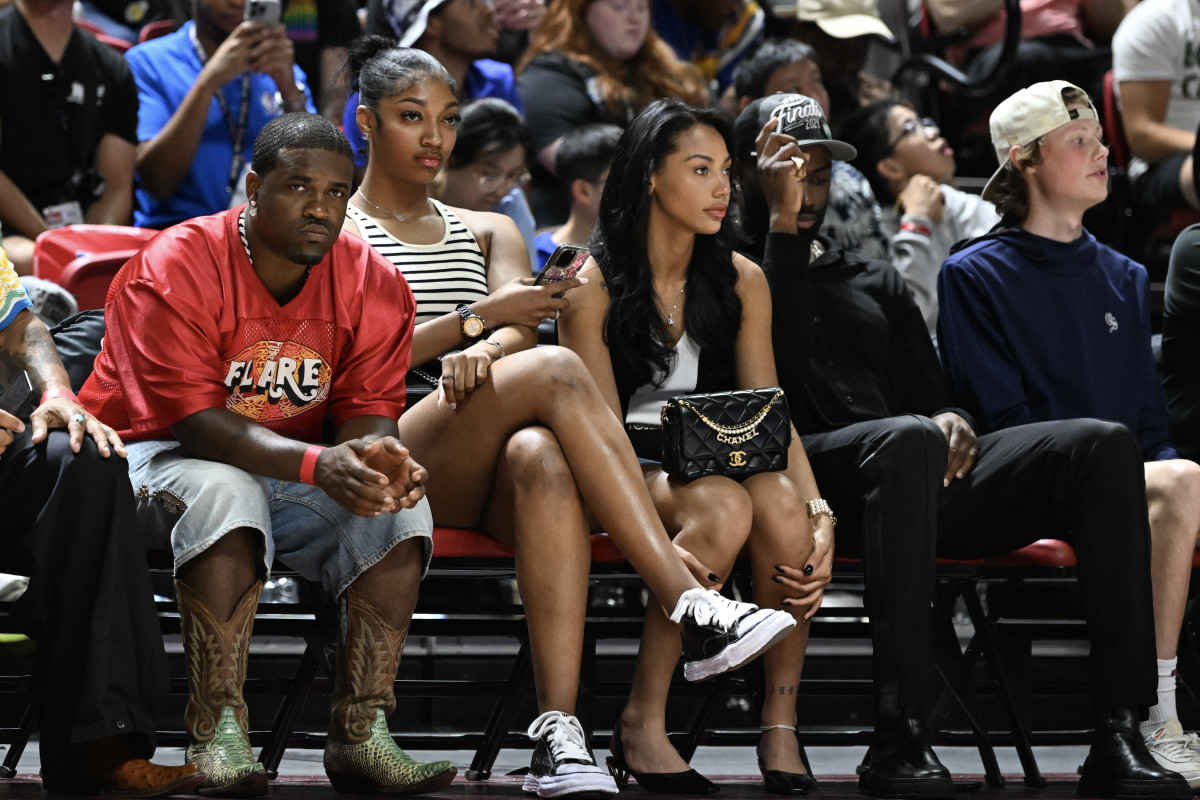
(231, 338)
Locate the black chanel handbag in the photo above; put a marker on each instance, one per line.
(735, 434)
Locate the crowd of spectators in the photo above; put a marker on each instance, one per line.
(914, 320)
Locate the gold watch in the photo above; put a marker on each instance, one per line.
(820, 506)
(472, 323)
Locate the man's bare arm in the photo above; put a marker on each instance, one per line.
(26, 344)
(18, 213)
(115, 161)
(218, 434)
(368, 428)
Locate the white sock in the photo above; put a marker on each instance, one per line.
(1164, 709)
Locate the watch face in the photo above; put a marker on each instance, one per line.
(472, 326)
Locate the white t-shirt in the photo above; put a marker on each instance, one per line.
(1159, 40)
(645, 406)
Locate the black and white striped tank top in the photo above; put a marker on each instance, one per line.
(441, 275)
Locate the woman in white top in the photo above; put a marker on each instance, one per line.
(669, 309)
(516, 439)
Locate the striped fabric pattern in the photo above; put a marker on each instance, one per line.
(13, 299)
(441, 275)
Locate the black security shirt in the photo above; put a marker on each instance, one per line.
(52, 116)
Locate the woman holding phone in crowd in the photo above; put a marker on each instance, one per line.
(668, 310)
(516, 439)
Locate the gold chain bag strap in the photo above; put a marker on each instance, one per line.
(736, 434)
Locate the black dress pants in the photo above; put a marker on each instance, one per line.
(100, 669)
(1078, 480)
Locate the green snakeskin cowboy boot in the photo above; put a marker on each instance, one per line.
(361, 756)
(216, 717)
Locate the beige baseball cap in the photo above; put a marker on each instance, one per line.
(844, 19)
(1028, 115)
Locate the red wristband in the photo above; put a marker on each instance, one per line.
(309, 463)
(915, 227)
(52, 393)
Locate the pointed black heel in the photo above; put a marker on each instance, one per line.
(690, 782)
(780, 782)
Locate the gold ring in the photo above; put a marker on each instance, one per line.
(798, 161)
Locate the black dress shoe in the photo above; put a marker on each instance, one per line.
(690, 782)
(780, 782)
(901, 764)
(1118, 765)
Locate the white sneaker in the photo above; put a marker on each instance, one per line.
(1173, 749)
(720, 634)
(562, 764)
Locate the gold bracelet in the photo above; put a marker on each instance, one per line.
(820, 506)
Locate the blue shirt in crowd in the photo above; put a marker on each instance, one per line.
(165, 69)
(544, 246)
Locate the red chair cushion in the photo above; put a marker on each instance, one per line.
(460, 543)
(89, 276)
(1042, 553)
(53, 250)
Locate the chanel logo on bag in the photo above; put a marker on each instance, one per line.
(736, 434)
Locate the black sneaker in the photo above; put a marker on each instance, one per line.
(720, 634)
(562, 764)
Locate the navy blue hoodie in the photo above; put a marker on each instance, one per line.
(1031, 330)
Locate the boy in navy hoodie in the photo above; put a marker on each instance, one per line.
(1040, 322)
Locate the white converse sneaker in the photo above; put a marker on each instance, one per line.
(1170, 747)
(720, 634)
(562, 763)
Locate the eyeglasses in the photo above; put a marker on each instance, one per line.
(925, 126)
(627, 6)
(490, 182)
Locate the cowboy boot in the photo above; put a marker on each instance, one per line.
(216, 717)
(361, 756)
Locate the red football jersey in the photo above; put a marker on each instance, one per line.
(190, 326)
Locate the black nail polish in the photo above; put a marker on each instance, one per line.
(712, 576)
(777, 578)
(779, 567)
(808, 569)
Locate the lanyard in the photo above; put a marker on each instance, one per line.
(237, 131)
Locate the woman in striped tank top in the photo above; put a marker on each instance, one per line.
(517, 440)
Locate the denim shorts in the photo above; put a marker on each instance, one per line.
(189, 503)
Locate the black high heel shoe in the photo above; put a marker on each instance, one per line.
(780, 782)
(690, 782)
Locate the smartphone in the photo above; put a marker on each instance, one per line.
(268, 12)
(566, 260)
(17, 397)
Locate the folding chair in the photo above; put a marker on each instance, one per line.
(53, 250)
